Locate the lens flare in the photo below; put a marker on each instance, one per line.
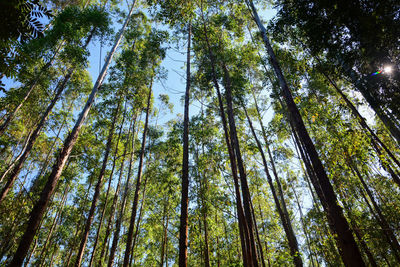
(387, 69)
(376, 73)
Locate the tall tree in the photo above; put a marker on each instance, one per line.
(348, 247)
(183, 228)
(40, 206)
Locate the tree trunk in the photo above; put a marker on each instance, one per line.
(348, 248)
(308, 243)
(40, 206)
(15, 161)
(123, 202)
(138, 183)
(97, 190)
(292, 241)
(108, 188)
(242, 172)
(260, 250)
(265, 241)
(359, 237)
(392, 240)
(243, 229)
(139, 219)
(183, 228)
(72, 244)
(360, 84)
(357, 115)
(116, 195)
(164, 237)
(54, 224)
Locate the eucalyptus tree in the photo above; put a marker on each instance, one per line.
(347, 246)
(99, 28)
(153, 53)
(48, 190)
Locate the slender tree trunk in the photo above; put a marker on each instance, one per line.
(217, 237)
(138, 183)
(348, 248)
(72, 244)
(203, 187)
(264, 233)
(97, 189)
(183, 228)
(242, 172)
(165, 226)
(40, 206)
(54, 224)
(361, 86)
(243, 229)
(123, 202)
(310, 251)
(36, 241)
(357, 115)
(108, 189)
(135, 237)
(292, 241)
(359, 237)
(392, 240)
(115, 200)
(260, 250)
(53, 145)
(310, 176)
(15, 161)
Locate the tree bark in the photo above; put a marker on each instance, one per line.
(123, 202)
(138, 182)
(348, 248)
(291, 237)
(183, 228)
(97, 189)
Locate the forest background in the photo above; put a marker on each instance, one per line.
(195, 133)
